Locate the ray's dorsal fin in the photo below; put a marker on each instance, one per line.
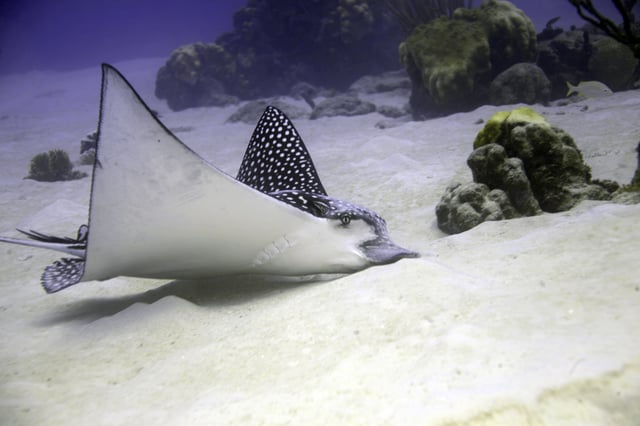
(276, 158)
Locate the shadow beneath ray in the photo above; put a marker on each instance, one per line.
(206, 293)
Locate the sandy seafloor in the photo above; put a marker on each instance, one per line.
(531, 321)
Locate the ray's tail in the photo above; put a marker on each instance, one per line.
(66, 271)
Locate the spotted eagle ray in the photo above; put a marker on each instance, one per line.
(159, 210)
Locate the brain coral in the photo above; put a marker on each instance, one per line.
(446, 57)
(511, 34)
(452, 61)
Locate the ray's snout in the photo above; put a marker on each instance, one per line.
(382, 252)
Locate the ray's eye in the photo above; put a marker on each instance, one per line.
(345, 219)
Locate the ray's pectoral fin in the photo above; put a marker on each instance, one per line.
(62, 273)
(66, 271)
(159, 210)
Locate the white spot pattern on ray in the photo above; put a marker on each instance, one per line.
(62, 274)
(276, 158)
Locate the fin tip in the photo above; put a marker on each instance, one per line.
(61, 274)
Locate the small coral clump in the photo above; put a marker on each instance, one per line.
(53, 166)
(464, 206)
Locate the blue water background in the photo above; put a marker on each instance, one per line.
(71, 34)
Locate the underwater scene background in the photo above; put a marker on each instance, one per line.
(454, 51)
(499, 141)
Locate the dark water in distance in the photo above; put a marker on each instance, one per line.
(71, 34)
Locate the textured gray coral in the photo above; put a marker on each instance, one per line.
(345, 105)
(554, 165)
(520, 83)
(535, 166)
(250, 112)
(464, 206)
(196, 75)
(491, 166)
